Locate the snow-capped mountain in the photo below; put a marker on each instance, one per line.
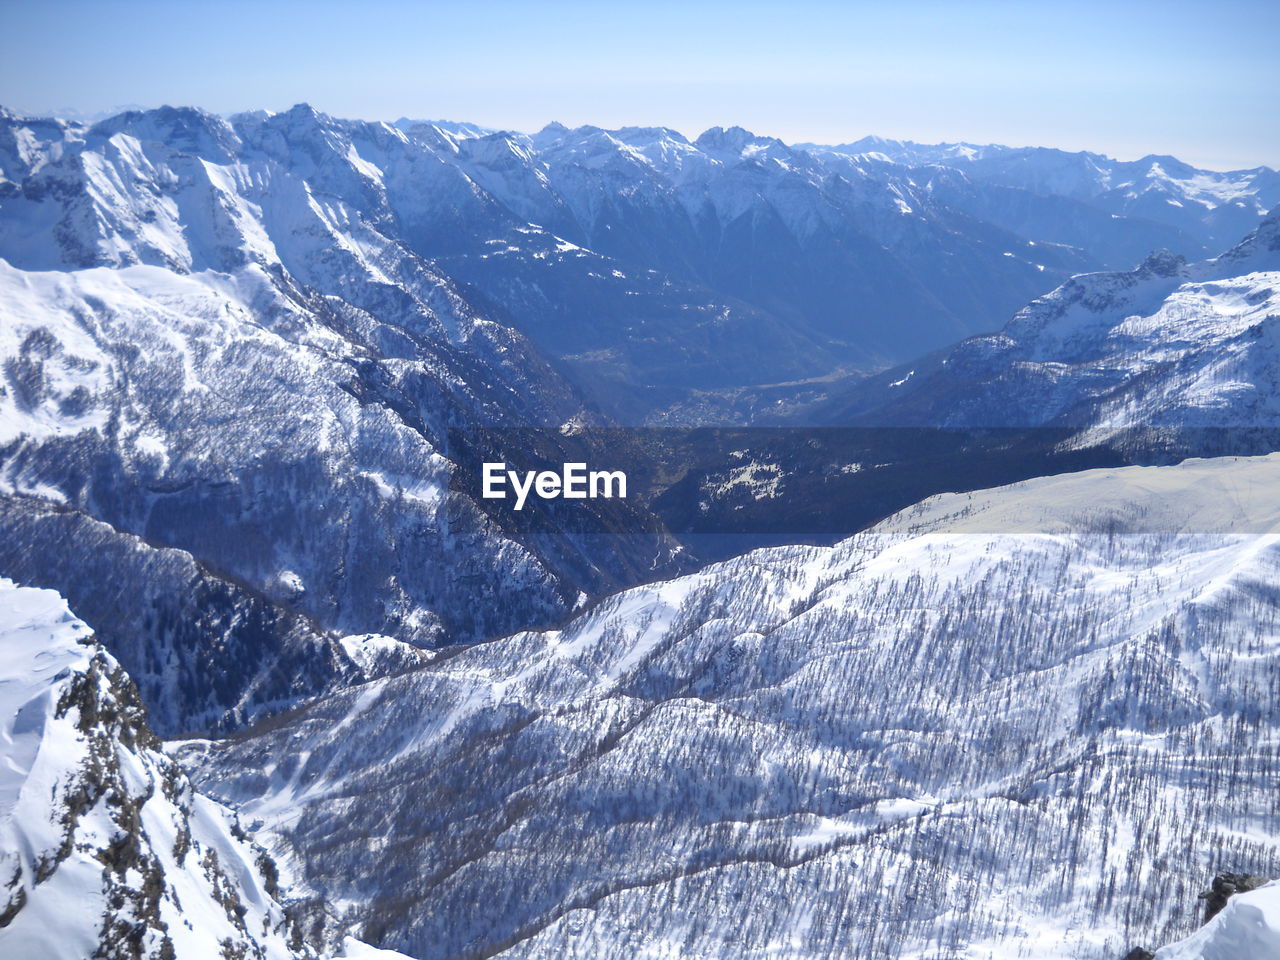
(1168, 345)
(852, 256)
(106, 850)
(655, 270)
(1152, 365)
(1205, 206)
(248, 367)
(236, 348)
(211, 350)
(1024, 722)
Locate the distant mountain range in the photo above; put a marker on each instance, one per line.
(665, 277)
(1015, 694)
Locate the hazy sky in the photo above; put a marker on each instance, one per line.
(1200, 80)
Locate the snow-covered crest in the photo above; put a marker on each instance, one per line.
(937, 730)
(104, 845)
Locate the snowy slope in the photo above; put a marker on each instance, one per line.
(105, 848)
(650, 265)
(1169, 344)
(1212, 206)
(1249, 926)
(218, 393)
(1016, 723)
(217, 342)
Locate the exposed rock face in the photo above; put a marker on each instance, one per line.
(1221, 890)
(107, 849)
(1225, 886)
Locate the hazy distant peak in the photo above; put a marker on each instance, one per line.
(456, 128)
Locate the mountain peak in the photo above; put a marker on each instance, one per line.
(553, 132)
(638, 136)
(1260, 250)
(1163, 163)
(735, 141)
(188, 129)
(305, 114)
(715, 136)
(1162, 263)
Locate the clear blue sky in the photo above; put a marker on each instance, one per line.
(1200, 80)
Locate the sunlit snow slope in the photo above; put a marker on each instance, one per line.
(1024, 722)
(227, 381)
(105, 848)
(1248, 927)
(1167, 345)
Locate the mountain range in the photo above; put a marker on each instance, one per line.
(666, 276)
(1004, 684)
(1146, 366)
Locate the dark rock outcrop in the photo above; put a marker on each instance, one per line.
(1224, 886)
